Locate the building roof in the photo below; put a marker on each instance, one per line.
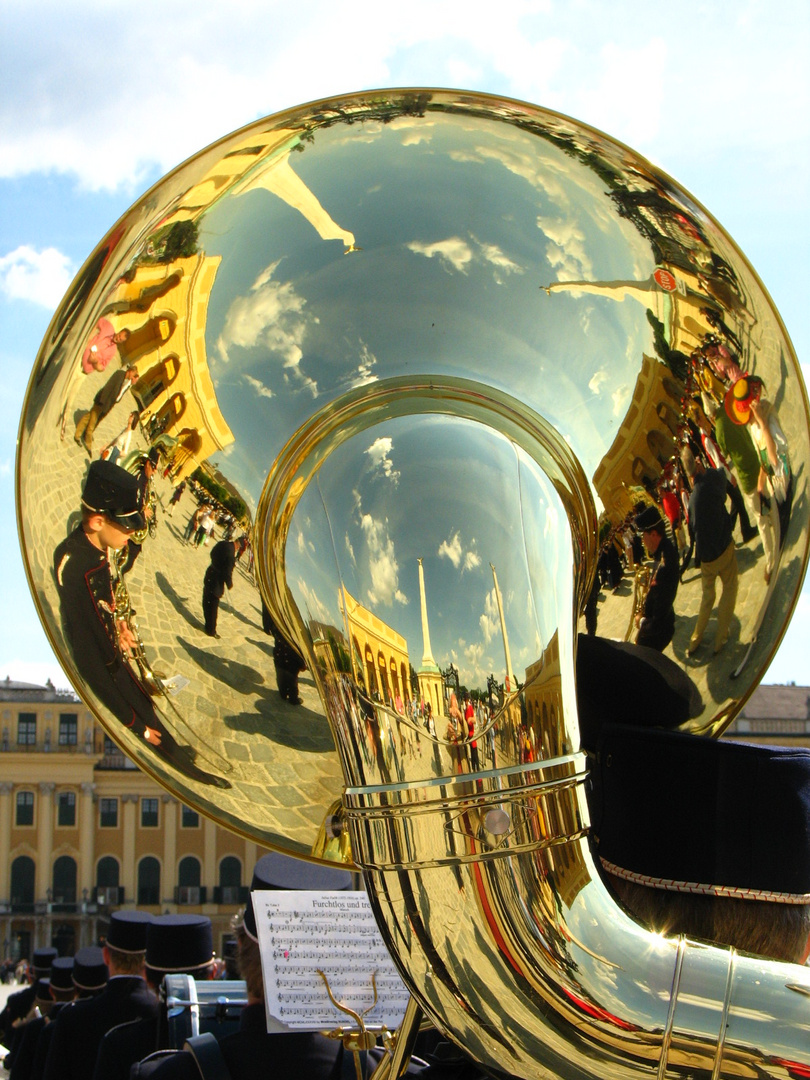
(778, 703)
(13, 690)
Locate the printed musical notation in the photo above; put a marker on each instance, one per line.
(301, 932)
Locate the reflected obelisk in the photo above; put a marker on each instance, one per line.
(430, 679)
(510, 675)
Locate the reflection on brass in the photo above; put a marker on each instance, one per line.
(430, 455)
(641, 583)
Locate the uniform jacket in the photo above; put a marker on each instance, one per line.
(87, 605)
(82, 1025)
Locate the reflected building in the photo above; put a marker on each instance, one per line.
(379, 654)
(644, 442)
(175, 392)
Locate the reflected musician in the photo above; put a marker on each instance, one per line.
(656, 620)
(100, 640)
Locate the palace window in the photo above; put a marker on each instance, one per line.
(25, 808)
(66, 808)
(108, 813)
(68, 729)
(27, 729)
(149, 813)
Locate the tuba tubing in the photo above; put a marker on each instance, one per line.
(540, 994)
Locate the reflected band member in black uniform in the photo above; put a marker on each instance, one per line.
(99, 640)
(657, 620)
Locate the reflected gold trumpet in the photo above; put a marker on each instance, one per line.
(424, 436)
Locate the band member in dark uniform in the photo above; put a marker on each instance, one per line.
(143, 477)
(287, 660)
(656, 621)
(100, 640)
(218, 575)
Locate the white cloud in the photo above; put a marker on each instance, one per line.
(620, 397)
(382, 563)
(39, 276)
(458, 254)
(364, 375)
(490, 620)
(313, 603)
(380, 454)
(566, 249)
(454, 253)
(623, 72)
(272, 317)
(350, 550)
(258, 386)
(453, 550)
(598, 378)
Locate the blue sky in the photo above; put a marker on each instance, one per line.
(97, 102)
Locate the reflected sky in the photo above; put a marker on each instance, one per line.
(445, 233)
(485, 215)
(472, 499)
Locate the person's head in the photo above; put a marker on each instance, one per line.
(179, 945)
(90, 973)
(41, 962)
(650, 526)
(122, 336)
(132, 374)
(707, 837)
(124, 951)
(152, 462)
(691, 466)
(62, 987)
(42, 994)
(134, 417)
(276, 872)
(740, 396)
(110, 512)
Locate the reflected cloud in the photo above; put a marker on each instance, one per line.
(314, 605)
(458, 254)
(620, 397)
(598, 379)
(453, 550)
(380, 454)
(566, 250)
(382, 563)
(367, 361)
(270, 316)
(489, 621)
(454, 252)
(258, 386)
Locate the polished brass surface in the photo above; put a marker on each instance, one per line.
(435, 348)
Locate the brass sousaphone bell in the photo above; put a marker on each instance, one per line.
(433, 349)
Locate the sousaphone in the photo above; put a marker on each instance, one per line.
(423, 345)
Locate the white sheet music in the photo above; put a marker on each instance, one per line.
(300, 932)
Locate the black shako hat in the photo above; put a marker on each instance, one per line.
(622, 683)
(277, 871)
(127, 931)
(112, 491)
(648, 518)
(42, 989)
(42, 959)
(62, 973)
(686, 813)
(90, 973)
(179, 943)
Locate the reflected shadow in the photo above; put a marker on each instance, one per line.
(178, 602)
(238, 677)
